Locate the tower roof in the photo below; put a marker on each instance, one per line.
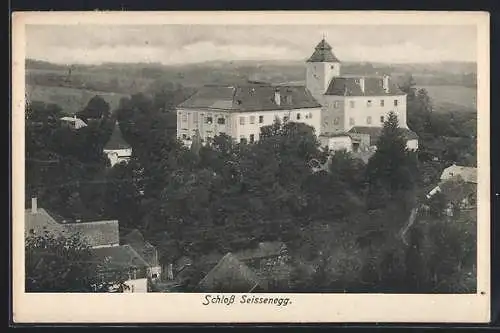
(323, 53)
(116, 141)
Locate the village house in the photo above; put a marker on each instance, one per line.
(458, 184)
(73, 122)
(231, 275)
(103, 238)
(346, 111)
(117, 149)
(146, 250)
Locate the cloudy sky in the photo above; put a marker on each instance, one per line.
(176, 44)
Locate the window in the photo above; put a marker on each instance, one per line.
(221, 121)
(381, 119)
(132, 288)
(184, 136)
(368, 103)
(382, 102)
(331, 67)
(351, 121)
(368, 120)
(261, 119)
(209, 120)
(285, 119)
(154, 276)
(395, 102)
(336, 121)
(298, 116)
(243, 139)
(352, 104)
(252, 138)
(242, 120)
(309, 115)
(336, 104)
(184, 118)
(252, 119)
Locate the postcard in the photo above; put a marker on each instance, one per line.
(250, 167)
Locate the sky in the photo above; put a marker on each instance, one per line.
(184, 44)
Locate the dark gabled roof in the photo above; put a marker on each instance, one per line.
(147, 251)
(229, 275)
(264, 250)
(350, 86)
(250, 97)
(116, 141)
(95, 233)
(98, 233)
(375, 132)
(119, 257)
(323, 53)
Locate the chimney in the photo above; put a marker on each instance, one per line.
(34, 206)
(277, 97)
(385, 83)
(362, 84)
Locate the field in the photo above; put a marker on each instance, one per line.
(71, 100)
(452, 98)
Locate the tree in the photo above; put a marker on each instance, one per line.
(391, 170)
(96, 108)
(65, 264)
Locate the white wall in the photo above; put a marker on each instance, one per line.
(362, 111)
(336, 143)
(137, 286)
(412, 144)
(319, 75)
(309, 116)
(187, 123)
(119, 155)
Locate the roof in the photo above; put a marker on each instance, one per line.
(229, 275)
(375, 132)
(96, 233)
(41, 221)
(250, 97)
(456, 191)
(78, 122)
(116, 141)
(263, 250)
(119, 257)
(468, 174)
(145, 249)
(351, 86)
(323, 53)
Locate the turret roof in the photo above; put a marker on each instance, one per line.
(323, 53)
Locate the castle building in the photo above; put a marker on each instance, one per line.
(346, 111)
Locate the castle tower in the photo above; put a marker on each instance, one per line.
(321, 67)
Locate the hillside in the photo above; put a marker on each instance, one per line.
(72, 86)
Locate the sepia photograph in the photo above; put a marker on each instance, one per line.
(251, 162)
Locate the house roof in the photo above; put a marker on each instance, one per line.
(323, 53)
(263, 250)
(96, 233)
(375, 132)
(41, 221)
(144, 248)
(229, 275)
(351, 86)
(119, 257)
(454, 189)
(116, 141)
(468, 174)
(250, 97)
(77, 121)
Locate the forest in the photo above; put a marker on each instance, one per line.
(227, 196)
